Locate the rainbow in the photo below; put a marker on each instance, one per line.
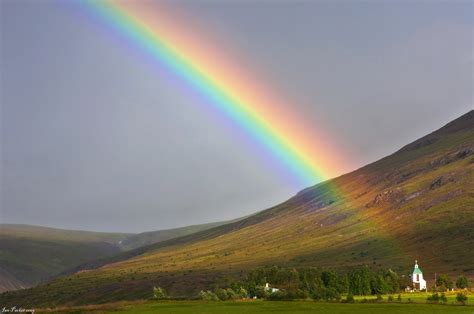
(186, 51)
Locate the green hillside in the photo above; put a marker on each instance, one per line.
(414, 204)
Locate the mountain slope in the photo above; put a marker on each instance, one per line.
(417, 203)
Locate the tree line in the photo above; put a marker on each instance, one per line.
(321, 283)
(318, 284)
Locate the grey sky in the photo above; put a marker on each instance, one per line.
(94, 137)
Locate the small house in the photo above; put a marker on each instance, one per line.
(270, 289)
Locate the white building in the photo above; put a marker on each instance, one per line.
(418, 282)
(270, 289)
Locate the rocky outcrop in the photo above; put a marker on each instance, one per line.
(391, 196)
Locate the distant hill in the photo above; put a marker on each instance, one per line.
(414, 204)
(32, 254)
(146, 238)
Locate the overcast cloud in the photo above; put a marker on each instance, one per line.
(95, 138)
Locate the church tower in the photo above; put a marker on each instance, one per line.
(418, 282)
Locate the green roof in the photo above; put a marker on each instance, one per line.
(417, 270)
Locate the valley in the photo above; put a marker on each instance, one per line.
(414, 204)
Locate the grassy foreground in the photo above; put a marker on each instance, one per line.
(240, 307)
(420, 297)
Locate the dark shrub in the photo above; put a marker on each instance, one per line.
(461, 298)
(350, 298)
(328, 294)
(277, 296)
(332, 295)
(434, 298)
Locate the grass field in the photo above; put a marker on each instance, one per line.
(241, 307)
(420, 297)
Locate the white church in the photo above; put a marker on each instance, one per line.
(418, 282)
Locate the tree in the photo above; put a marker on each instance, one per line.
(359, 281)
(392, 281)
(444, 280)
(231, 294)
(208, 296)
(261, 293)
(404, 282)
(293, 279)
(332, 294)
(343, 283)
(329, 278)
(311, 280)
(462, 282)
(221, 294)
(242, 293)
(159, 293)
(251, 288)
(378, 284)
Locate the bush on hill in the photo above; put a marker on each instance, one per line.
(159, 293)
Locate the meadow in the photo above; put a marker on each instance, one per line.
(258, 306)
(419, 297)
